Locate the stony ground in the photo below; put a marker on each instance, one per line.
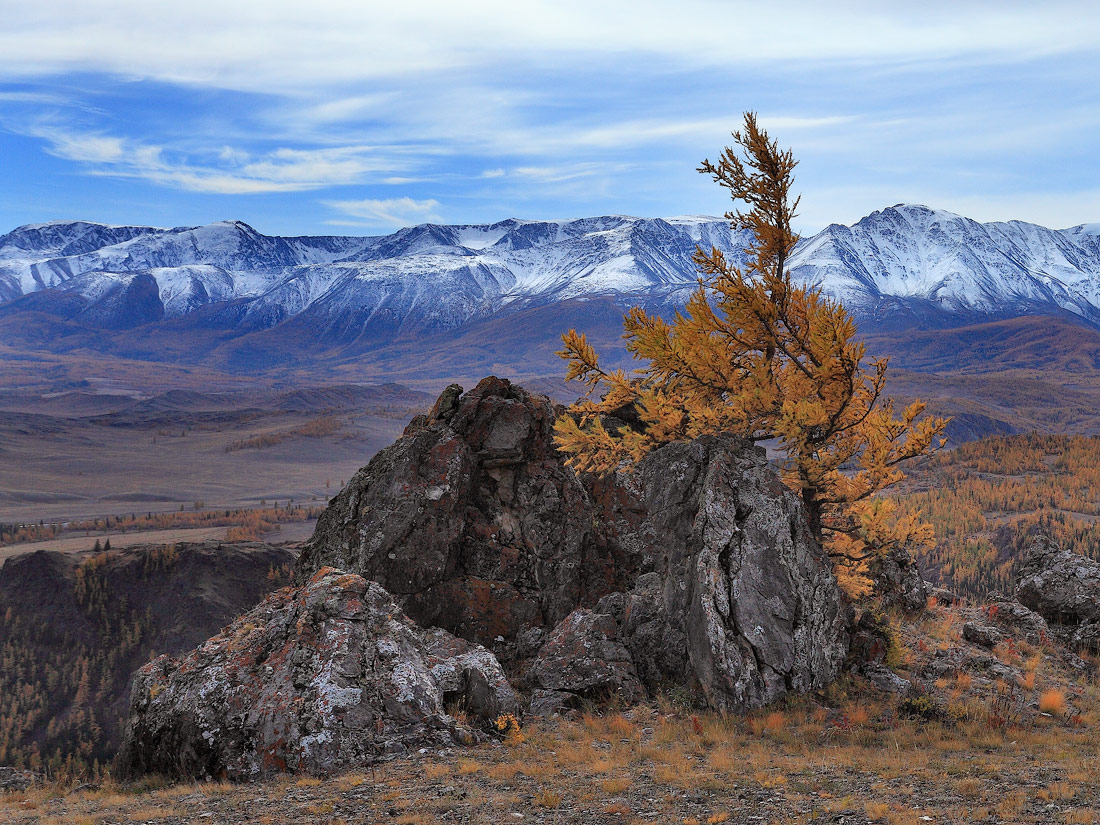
(962, 754)
(646, 766)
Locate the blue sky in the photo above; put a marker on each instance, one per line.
(359, 117)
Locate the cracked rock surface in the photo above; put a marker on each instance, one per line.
(698, 568)
(741, 606)
(473, 521)
(314, 679)
(1058, 584)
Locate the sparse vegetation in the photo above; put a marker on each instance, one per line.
(645, 765)
(984, 498)
(245, 523)
(317, 428)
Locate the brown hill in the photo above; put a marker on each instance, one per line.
(75, 628)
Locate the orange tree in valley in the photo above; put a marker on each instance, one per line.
(759, 356)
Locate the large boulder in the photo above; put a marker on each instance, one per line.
(741, 606)
(583, 658)
(326, 676)
(472, 520)
(1060, 585)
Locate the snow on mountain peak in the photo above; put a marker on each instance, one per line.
(906, 256)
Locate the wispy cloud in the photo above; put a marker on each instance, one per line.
(330, 42)
(228, 170)
(388, 211)
(542, 108)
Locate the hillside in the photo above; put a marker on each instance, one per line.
(986, 497)
(76, 627)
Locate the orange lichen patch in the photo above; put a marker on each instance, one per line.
(322, 573)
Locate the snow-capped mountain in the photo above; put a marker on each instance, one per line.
(942, 268)
(905, 265)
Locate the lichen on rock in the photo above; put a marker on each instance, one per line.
(315, 679)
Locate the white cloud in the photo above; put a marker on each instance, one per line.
(241, 172)
(280, 45)
(558, 174)
(86, 148)
(390, 211)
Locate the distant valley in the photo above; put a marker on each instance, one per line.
(997, 324)
(317, 350)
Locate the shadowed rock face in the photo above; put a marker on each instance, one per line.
(314, 679)
(699, 564)
(473, 521)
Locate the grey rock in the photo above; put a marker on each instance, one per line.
(473, 521)
(1012, 614)
(886, 680)
(583, 656)
(1087, 637)
(14, 779)
(981, 634)
(1060, 585)
(547, 703)
(327, 676)
(898, 580)
(701, 557)
(742, 606)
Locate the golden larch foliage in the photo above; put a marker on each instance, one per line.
(759, 356)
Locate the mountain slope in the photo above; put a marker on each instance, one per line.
(227, 295)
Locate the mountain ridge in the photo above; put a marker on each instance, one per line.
(226, 294)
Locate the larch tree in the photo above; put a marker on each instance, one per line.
(759, 356)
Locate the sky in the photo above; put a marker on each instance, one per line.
(357, 118)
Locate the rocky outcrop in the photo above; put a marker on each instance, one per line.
(697, 569)
(473, 521)
(314, 679)
(1060, 585)
(1019, 619)
(14, 779)
(741, 605)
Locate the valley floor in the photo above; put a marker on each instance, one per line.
(292, 533)
(659, 765)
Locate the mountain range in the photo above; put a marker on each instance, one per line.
(481, 297)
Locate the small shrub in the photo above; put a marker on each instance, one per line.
(1053, 701)
(919, 707)
(548, 799)
(876, 811)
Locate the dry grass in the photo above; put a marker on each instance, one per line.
(876, 811)
(1080, 816)
(1053, 701)
(644, 765)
